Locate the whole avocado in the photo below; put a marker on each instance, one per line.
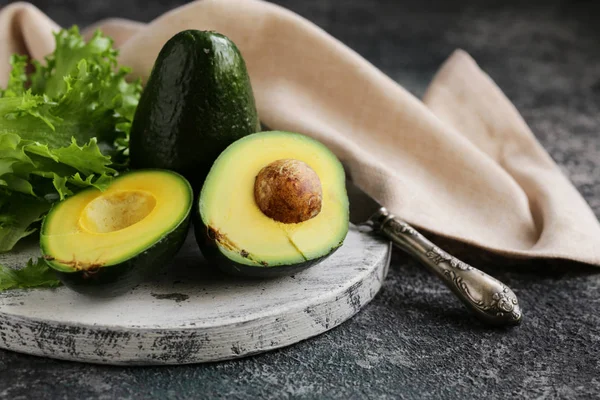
(197, 101)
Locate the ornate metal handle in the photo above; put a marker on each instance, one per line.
(491, 300)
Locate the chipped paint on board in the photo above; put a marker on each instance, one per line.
(206, 318)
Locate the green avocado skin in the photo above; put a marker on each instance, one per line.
(117, 279)
(211, 253)
(197, 100)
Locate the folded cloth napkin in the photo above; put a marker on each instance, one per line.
(462, 163)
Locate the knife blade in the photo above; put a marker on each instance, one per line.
(488, 298)
(362, 206)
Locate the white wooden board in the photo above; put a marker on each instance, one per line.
(192, 314)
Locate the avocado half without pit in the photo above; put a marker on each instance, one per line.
(274, 203)
(105, 243)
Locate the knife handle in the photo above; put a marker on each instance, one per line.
(490, 300)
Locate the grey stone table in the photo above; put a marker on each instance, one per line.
(414, 340)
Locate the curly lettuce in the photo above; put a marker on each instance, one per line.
(64, 127)
(35, 274)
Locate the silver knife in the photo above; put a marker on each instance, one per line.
(488, 298)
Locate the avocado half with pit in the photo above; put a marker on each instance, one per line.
(274, 203)
(106, 242)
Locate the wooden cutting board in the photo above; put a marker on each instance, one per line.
(192, 313)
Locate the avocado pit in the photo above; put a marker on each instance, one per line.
(288, 191)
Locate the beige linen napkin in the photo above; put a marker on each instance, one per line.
(462, 163)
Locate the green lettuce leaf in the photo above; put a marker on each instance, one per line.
(34, 274)
(49, 79)
(18, 77)
(18, 214)
(63, 128)
(90, 107)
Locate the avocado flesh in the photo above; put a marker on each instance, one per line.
(118, 237)
(235, 226)
(197, 101)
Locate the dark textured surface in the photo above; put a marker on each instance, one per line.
(414, 340)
